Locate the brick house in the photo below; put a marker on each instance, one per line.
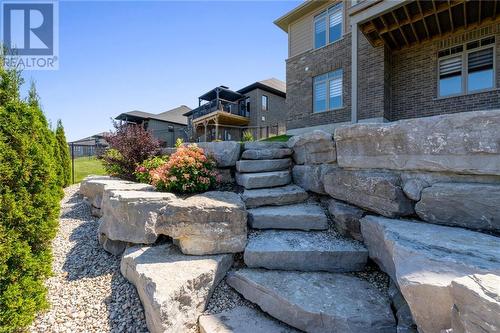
(382, 60)
(167, 126)
(224, 114)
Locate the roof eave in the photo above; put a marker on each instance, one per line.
(303, 9)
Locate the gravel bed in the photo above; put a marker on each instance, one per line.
(87, 292)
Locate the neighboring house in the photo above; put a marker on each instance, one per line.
(389, 60)
(224, 114)
(167, 126)
(90, 146)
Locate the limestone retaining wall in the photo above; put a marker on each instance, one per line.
(442, 169)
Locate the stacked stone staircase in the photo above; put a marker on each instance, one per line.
(295, 265)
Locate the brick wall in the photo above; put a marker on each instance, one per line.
(301, 69)
(391, 84)
(414, 83)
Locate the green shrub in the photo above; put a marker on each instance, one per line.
(29, 205)
(142, 171)
(248, 136)
(188, 170)
(113, 162)
(178, 142)
(62, 156)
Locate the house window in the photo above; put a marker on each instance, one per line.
(467, 68)
(327, 91)
(265, 103)
(328, 26)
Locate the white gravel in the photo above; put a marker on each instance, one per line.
(87, 292)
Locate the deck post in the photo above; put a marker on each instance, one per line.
(216, 128)
(205, 124)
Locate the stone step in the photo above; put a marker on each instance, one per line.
(263, 179)
(266, 154)
(303, 216)
(173, 287)
(277, 196)
(263, 165)
(258, 145)
(242, 319)
(304, 251)
(317, 302)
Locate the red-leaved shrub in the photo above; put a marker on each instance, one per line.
(130, 145)
(188, 170)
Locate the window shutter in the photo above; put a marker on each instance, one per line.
(320, 26)
(450, 67)
(480, 60)
(320, 91)
(336, 87)
(336, 18)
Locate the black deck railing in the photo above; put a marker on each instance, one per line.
(220, 105)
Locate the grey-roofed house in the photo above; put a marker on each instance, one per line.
(224, 114)
(167, 126)
(89, 146)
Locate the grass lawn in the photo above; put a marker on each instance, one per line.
(85, 166)
(278, 138)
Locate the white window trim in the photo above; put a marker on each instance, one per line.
(465, 70)
(325, 14)
(327, 81)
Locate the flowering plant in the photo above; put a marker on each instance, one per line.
(142, 170)
(188, 170)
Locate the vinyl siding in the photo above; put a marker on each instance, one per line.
(301, 36)
(300, 32)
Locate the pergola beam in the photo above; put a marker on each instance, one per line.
(411, 24)
(437, 18)
(423, 19)
(400, 29)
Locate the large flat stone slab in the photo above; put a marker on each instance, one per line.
(131, 216)
(263, 179)
(315, 147)
(208, 223)
(225, 153)
(93, 187)
(242, 319)
(377, 191)
(317, 302)
(174, 288)
(476, 304)
(464, 142)
(303, 216)
(304, 251)
(266, 154)
(473, 206)
(424, 259)
(263, 165)
(276, 196)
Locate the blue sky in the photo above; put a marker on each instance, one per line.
(118, 56)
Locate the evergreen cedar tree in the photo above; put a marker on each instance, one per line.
(30, 192)
(63, 155)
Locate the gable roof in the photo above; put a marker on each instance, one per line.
(271, 85)
(173, 116)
